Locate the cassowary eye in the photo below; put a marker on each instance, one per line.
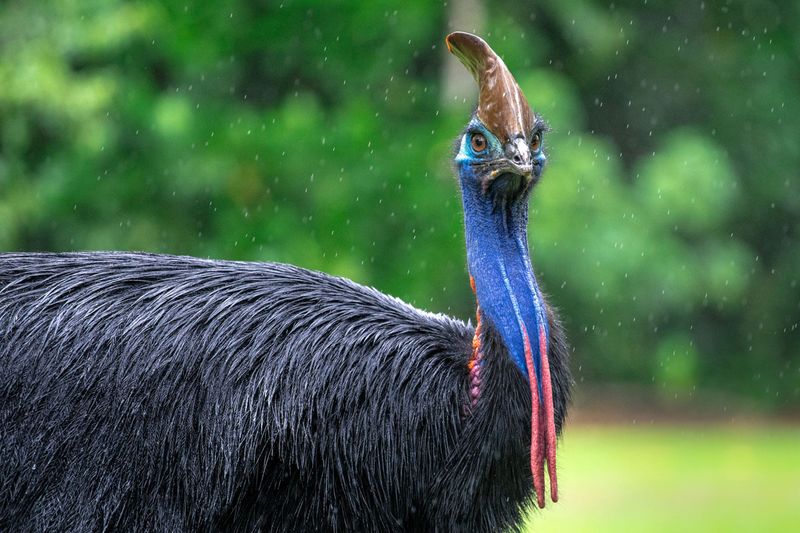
(536, 142)
(478, 143)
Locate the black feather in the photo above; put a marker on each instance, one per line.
(159, 393)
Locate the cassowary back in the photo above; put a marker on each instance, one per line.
(182, 394)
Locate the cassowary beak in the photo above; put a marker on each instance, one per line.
(517, 161)
(518, 158)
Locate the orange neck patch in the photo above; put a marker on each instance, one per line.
(476, 359)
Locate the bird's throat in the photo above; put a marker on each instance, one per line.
(510, 300)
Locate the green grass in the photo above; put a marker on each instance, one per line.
(676, 478)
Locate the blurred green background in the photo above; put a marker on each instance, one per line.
(320, 133)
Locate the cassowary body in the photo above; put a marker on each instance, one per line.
(161, 393)
(169, 393)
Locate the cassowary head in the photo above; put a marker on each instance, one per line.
(499, 159)
(502, 145)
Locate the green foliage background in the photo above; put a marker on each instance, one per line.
(317, 133)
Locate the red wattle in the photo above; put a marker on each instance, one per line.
(547, 393)
(537, 455)
(543, 433)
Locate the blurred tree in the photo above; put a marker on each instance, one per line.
(312, 132)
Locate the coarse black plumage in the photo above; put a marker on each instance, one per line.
(153, 393)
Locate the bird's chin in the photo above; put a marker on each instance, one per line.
(509, 185)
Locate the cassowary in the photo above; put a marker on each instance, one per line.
(158, 393)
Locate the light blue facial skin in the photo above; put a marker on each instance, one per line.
(497, 253)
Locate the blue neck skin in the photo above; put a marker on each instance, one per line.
(499, 262)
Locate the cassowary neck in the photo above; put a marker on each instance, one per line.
(496, 219)
(500, 265)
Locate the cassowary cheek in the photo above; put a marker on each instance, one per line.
(537, 166)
